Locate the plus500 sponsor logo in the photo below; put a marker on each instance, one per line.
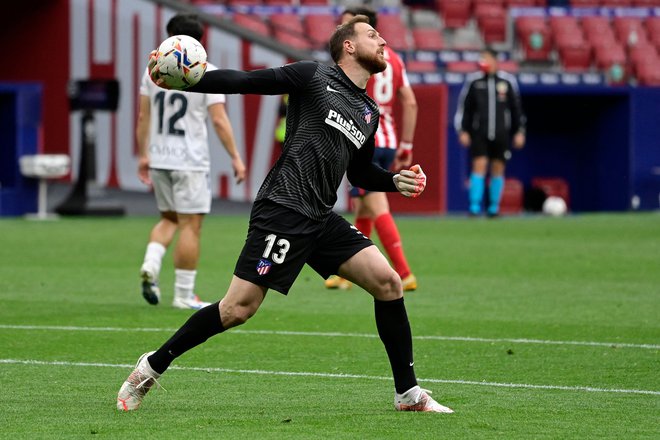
(347, 127)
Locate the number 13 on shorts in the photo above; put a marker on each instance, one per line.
(279, 248)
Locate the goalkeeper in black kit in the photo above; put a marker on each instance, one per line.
(331, 123)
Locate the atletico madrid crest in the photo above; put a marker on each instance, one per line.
(263, 267)
(367, 114)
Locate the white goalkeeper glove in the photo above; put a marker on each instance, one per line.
(411, 182)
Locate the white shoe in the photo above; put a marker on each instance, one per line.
(137, 385)
(150, 290)
(192, 302)
(418, 399)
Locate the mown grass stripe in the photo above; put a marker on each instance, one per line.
(337, 376)
(341, 334)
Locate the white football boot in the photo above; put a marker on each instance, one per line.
(418, 399)
(150, 289)
(138, 384)
(191, 302)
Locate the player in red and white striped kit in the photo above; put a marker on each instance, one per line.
(372, 208)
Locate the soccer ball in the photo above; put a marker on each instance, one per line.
(554, 206)
(180, 62)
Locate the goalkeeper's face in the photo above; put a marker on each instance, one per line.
(370, 48)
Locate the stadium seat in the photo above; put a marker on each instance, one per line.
(598, 31)
(629, 30)
(521, 3)
(462, 66)
(455, 13)
(421, 66)
(585, 3)
(510, 66)
(289, 30)
(640, 55)
(646, 3)
(491, 19)
(535, 38)
(314, 2)
(252, 22)
(394, 31)
(477, 3)
(616, 3)
(648, 73)
(243, 3)
(428, 39)
(277, 2)
(512, 196)
(319, 27)
(575, 56)
(286, 22)
(562, 23)
(553, 186)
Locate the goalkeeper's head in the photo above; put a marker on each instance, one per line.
(368, 12)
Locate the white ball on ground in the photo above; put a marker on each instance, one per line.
(554, 206)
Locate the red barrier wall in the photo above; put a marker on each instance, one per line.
(40, 28)
(430, 152)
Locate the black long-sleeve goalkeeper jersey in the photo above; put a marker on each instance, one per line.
(330, 128)
(489, 107)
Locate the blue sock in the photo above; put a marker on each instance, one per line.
(495, 194)
(476, 192)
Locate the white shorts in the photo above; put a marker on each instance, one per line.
(185, 192)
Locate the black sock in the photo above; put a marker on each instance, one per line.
(394, 331)
(198, 328)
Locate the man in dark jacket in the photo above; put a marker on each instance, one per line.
(489, 115)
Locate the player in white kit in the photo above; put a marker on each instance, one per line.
(173, 147)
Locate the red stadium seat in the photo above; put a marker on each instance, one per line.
(575, 57)
(477, 3)
(462, 66)
(648, 73)
(421, 66)
(521, 3)
(586, 3)
(598, 31)
(553, 186)
(319, 27)
(243, 2)
(393, 30)
(289, 30)
(253, 23)
(314, 2)
(617, 3)
(286, 22)
(535, 38)
(646, 3)
(428, 39)
(491, 19)
(640, 55)
(455, 13)
(508, 66)
(512, 196)
(629, 30)
(293, 40)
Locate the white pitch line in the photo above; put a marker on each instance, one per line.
(337, 376)
(338, 334)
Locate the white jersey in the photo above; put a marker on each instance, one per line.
(178, 137)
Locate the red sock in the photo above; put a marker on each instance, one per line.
(389, 237)
(364, 225)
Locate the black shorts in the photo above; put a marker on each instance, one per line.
(280, 241)
(495, 149)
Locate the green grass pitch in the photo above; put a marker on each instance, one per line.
(529, 328)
